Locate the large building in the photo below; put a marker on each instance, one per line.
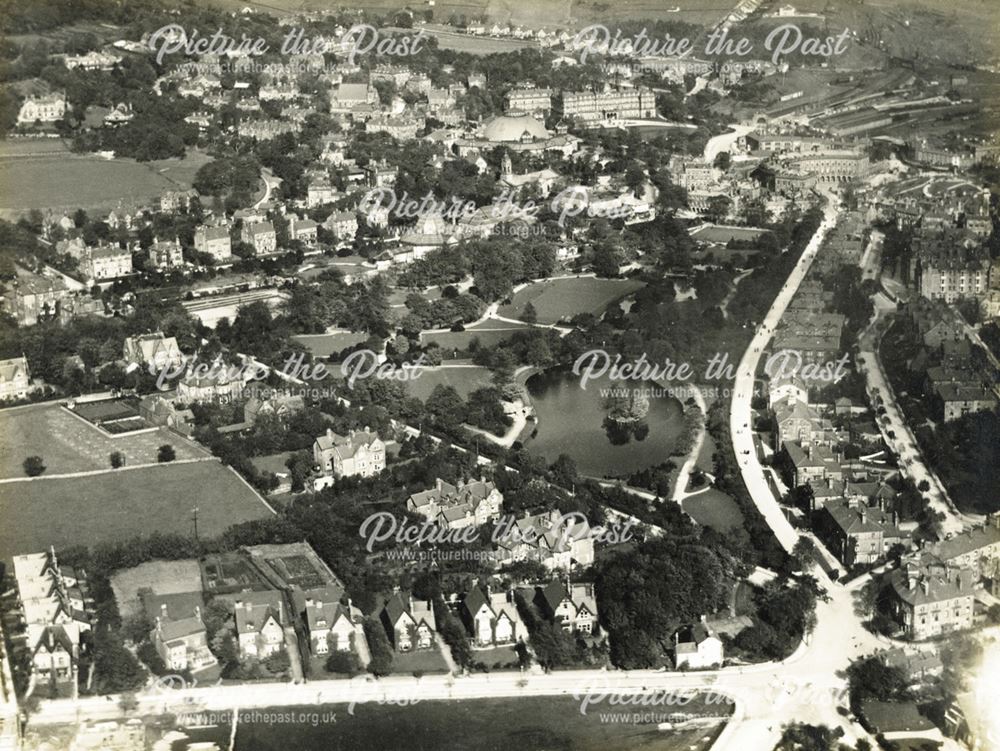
(361, 453)
(458, 506)
(608, 106)
(45, 109)
(106, 262)
(262, 236)
(932, 600)
(529, 101)
(215, 241)
(178, 632)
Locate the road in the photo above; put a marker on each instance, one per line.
(724, 142)
(895, 429)
(740, 418)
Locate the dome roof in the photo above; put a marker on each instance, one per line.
(508, 128)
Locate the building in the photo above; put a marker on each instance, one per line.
(361, 453)
(491, 618)
(977, 548)
(106, 262)
(175, 200)
(623, 104)
(55, 601)
(92, 60)
(409, 623)
(320, 191)
(857, 535)
(343, 225)
(15, 378)
(697, 647)
(271, 402)
(215, 241)
(164, 255)
(528, 101)
(571, 606)
(302, 230)
(469, 504)
(154, 351)
(332, 626)
(554, 540)
(931, 600)
(261, 236)
(32, 297)
(260, 623)
(45, 109)
(178, 632)
(218, 384)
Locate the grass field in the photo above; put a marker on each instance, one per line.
(119, 505)
(524, 724)
(489, 333)
(714, 509)
(323, 345)
(463, 380)
(68, 443)
(565, 298)
(163, 577)
(65, 182)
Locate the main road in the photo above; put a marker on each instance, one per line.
(740, 418)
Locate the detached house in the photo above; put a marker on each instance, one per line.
(572, 606)
(409, 623)
(14, 378)
(178, 631)
(858, 535)
(154, 350)
(696, 646)
(360, 453)
(491, 618)
(215, 241)
(332, 626)
(458, 506)
(261, 236)
(259, 623)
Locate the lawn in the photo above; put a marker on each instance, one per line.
(463, 380)
(324, 345)
(521, 724)
(114, 506)
(163, 577)
(713, 508)
(488, 332)
(564, 298)
(68, 443)
(423, 661)
(70, 181)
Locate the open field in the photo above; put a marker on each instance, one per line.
(489, 333)
(713, 508)
(525, 724)
(67, 443)
(117, 505)
(65, 182)
(564, 298)
(163, 577)
(324, 345)
(463, 380)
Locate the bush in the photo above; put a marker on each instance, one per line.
(279, 662)
(343, 662)
(166, 453)
(117, 459)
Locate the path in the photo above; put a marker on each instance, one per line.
(683, 476)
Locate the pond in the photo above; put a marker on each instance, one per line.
(572, 421)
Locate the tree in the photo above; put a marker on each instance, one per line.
(33, 466)
(529, 314)
(722, 161)
(343, 662)
(117, 459)
(166, 453)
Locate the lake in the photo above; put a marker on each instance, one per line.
(570, 421)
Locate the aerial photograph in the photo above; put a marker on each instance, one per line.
(500, 375)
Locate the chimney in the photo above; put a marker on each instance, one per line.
(926, 585)
(197, 612)
(863, 511)
(309, 603)
(163, 610)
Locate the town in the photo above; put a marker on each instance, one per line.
(411, 365)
